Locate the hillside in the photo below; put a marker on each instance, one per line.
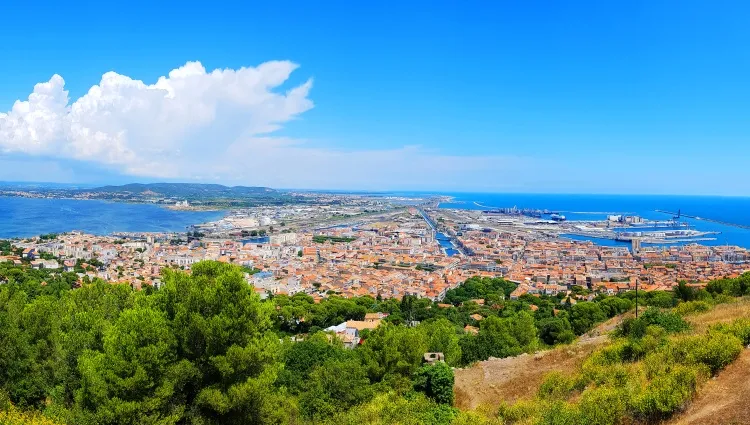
(530, 388)
(726, 398)
(515, 378)
(187, 190)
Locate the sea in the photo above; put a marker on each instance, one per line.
(725, 209)
(24, 217)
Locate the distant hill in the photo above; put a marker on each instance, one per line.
(188, 190)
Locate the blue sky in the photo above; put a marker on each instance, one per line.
(590, 97)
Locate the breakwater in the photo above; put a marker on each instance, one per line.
(694, 217)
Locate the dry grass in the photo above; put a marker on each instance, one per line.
(725, 399)
(722, 313)
(510, 379)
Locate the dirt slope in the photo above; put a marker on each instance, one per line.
(724, 399)
(512, 378)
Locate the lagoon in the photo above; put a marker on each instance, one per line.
(25, 217)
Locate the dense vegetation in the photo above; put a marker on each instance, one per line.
(205, 349)
(653, 367)
(332, 239)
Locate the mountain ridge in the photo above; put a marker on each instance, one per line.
(186, 189)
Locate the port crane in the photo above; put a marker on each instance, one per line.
(676, 219)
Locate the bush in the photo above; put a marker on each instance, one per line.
(671, 322)
(612, 306)
(609, 355)
(436, 382)
(602, 406)
(741, 329)
(521, 411)
(560, 413)
(724, 299)
(691, 307)
(556, 386)
(603, 374)
(631, 327)
(554, 330)
(715, 349)
(584, 315)
(660, 299)
(391, 408)
(668, 392)
(474, 418)
(636, 328)
(15, 417)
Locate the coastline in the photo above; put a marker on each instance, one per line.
(191, 208)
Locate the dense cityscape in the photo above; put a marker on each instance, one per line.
(355, 246)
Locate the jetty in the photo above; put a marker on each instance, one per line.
(695, 217)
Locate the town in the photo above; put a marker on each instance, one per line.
(383, 249)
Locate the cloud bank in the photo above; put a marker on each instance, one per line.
(159, 130)
(211, 126)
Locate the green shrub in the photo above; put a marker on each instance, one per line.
(521, 411)
(637, 328)
(602, 374)
(436, 382)
(660, 299)
(602, 406)
(691, 307)
(724, 299)
(474, 418)
(560, 413)
(655, 337)
(556, 386)
(714, 349)
(671, 322)
(391, 408)
(739, 328)
(609, 355)
(660, 362)
(668, 392)
(631, 327)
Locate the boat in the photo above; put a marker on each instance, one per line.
(557, 217)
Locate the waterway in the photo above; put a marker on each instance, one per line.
(256, 240)
(24, 217)
(446, 244)
(443, 240)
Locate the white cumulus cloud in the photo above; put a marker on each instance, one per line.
(218, 126)
(163, 129)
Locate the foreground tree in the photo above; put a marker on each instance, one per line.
(436, 382)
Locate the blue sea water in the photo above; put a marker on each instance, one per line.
(24, 217)
(734, 210)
